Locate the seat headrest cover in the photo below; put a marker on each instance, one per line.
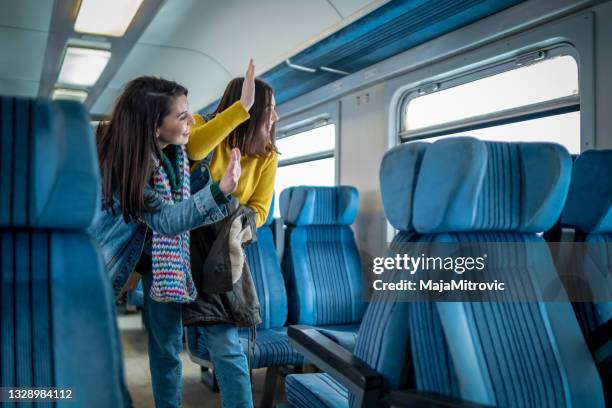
(399, 171)
(270, 217)
(50, 176)
(469, 185)
(589, 201)
(305, 205)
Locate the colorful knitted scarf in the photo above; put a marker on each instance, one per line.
(172, 280)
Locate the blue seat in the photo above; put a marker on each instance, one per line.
(511, 353)
(589, 211)
(506, 353)
(379, 357)
(58, 321)
(321, 262)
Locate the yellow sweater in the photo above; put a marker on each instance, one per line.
(256, 184)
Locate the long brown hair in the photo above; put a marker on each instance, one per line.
(245, 136)
(127, 143)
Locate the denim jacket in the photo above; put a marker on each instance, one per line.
(122, 243)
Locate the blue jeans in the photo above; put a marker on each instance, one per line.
(165, 331)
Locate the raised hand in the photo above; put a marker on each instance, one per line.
(230, 179)
(247, 98)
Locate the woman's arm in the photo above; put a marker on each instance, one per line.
(205, 136)
(173, 219)
(201, 208)
(262, 197)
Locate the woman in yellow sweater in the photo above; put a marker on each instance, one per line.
(247, 123)
(255, 138)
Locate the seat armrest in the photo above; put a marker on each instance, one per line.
(334, 359)
(413, 398)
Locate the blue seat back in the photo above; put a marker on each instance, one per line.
(267, 276)
(58, 322)
(383, 339)
(321, 262)
(512, 353)
(589, 211)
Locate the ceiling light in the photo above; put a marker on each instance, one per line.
(106, 17)
(70, 94)
(82, 66)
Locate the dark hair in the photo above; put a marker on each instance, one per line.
(244, 136)
(127, 144)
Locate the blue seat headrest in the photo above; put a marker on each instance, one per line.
(270, 217)
(589, 201)
(465, 184)
(306, 205)
(398, 174)
(49, 176)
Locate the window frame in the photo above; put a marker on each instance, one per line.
(513, 115)
(326, 114)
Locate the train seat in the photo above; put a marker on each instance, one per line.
(515, 352)
(378, 361)
(589, 212)
(58, 321)
(510, 353)
(321, 262)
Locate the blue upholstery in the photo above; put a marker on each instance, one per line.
(383, 339)
(315, 390)
(399, 170)
(459, 186)
(598, 268)
(589, 210)
(382, 342)
(343, 334)
(58, 321)
(51, 180)
(268, 278)
(319, 205)
(502, 354)
(321, 262)
(589, 201)
(271, 348)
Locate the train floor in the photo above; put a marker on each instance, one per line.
(195, 393)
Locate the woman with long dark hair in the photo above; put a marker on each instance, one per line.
(254, 137)
(149, 206)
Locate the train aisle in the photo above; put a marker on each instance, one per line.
(136, 363)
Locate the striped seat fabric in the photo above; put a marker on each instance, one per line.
(58, 323)
(589, 211)
(383, 337)
(513, 353)
(321, 263)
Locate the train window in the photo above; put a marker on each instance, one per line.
(536, 102)
(312, 141)
(306, 158)
(563, 129)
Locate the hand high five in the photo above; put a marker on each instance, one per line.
(247, 98)
(229, 182)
